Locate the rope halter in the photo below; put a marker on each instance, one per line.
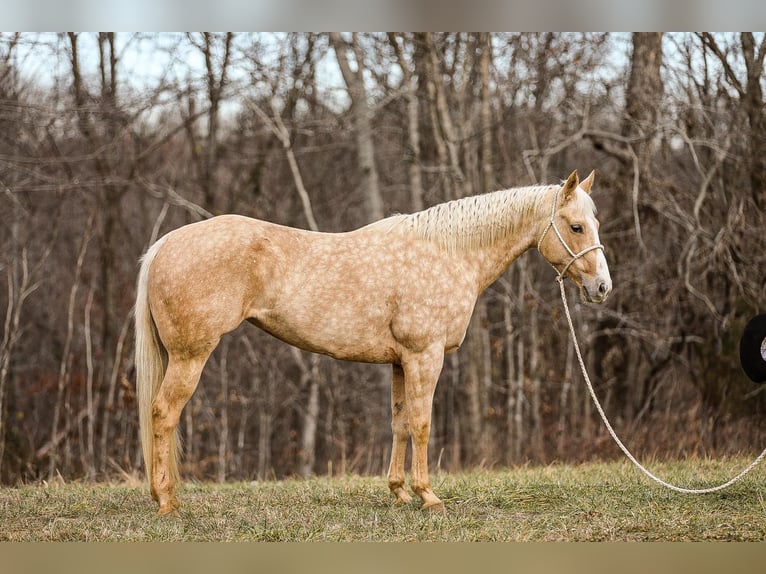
(574, 256)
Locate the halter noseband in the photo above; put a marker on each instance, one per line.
(574, 256)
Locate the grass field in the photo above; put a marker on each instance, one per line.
(592, 502)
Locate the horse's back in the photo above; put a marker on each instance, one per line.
(362, 295)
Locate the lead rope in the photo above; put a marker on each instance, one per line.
(624, 449)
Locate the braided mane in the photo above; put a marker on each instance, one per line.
(477, 220)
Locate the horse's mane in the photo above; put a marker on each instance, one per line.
(474, 221)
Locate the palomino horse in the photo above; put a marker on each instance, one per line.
(397, 291)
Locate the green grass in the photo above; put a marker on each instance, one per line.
(594, 502)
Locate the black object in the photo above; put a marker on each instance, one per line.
(752, 349)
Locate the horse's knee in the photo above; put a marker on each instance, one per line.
(400, 427)
(420, 429)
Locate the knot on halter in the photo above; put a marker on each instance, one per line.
(574, 256)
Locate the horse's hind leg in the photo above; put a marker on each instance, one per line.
(401, 429)
(181, 379)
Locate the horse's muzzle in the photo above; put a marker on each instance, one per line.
(598, 291)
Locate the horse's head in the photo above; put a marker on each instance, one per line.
(569, 240)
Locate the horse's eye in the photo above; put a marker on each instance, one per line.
(576, 228)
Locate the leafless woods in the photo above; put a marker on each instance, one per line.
(109, 140)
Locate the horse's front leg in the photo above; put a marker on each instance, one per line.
(421, 373)
(400, 426)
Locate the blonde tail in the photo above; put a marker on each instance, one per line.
(151, 363)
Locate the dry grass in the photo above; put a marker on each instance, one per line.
(593, 502)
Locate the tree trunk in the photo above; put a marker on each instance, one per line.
(413, 125)
(478, 356)
(66, 356)
(644, 86)
(216, 81)
(642, 104)
(91, 399)
(444, 130)
(307, 455)
(223, 435)
(472, 427)
(510, 374)
(111, 194)
(628, 253)
(362, 123)
(754, 108)
(487, 167)
(18, 290)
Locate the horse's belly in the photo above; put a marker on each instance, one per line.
(370, 346)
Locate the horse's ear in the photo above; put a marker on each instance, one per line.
(587, 183)
(570, 186)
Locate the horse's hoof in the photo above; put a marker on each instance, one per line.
(170, 508)
(402, 499)
(171, 514)
(434, 506)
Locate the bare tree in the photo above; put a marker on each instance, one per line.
(20, 287)
(413, 120)
(675, 134)
(361, 113)
(217, 52)
(752, 102)
(65, 367)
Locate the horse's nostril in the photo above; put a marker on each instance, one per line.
(602, 289)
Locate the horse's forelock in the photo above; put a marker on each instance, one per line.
(589, 204)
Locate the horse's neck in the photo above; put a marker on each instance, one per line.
(492, 260)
